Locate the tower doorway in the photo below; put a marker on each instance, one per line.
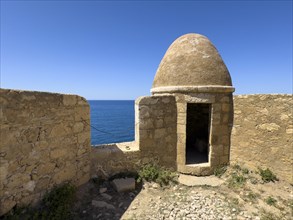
(197, 133)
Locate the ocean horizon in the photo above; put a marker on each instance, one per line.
(112, 121)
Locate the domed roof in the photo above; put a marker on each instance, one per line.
(192, 64)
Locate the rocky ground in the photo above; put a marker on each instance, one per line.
(246, 198)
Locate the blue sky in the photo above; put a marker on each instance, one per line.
(111, 49)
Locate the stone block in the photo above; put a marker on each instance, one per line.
(181, 138)
(226, 150)
(81, 151)
(225, 118)
(159, 133)
(144, 112)
(18, 179)
(269, 127)
(58, 153)
(216, 119)
(181, 120)
(45, 169)
(83, 137)
(60, 130)
(102, 204)
(181, 107)
(124, 184)
(166, 100)
(30, 186)
(82, 113)
(225, 140)
(159, 123)
(160, 112)
(6, 205)
(146, 144)
(226, 107)
(81, 101)
(42, 184)
(146, 134)
(69, 100)
(3, 170)
(170, 119)
(146, 124)
(181, 129)
(225, 99)
(78, 127)
(65, 174)
(224, 159)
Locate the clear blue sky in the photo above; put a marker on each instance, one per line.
(111, 49)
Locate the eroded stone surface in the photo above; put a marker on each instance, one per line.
(192, 60)
(124, 184)
(262, 133)
(45, 140)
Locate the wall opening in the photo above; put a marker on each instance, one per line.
(197, 133)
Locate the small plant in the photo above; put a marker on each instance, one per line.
(236, 180)
(236, 167)
(219, 171)
(153, 173)
(268, 216)
(234, 204)
(245, 171)
(253, 180)
(252, 197)
(58, 202)
(56, 205)
(267, 175)
(271, 201)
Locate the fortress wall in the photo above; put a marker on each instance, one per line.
(110, 159)
(44, 142)
(262, 134)
(156, 127)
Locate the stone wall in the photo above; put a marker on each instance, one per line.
(156, 128)
(220, 131)
(45, 141)
(262, 134)
(110, 159)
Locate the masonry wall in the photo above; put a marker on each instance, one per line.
(262, 134)
(110, 159)
(156, 128)
(45, 141)
(220, 131)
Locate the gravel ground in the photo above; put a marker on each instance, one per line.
(150, 201)
(181, 202)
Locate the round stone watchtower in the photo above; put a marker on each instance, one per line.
(192, 64)
(192, 73)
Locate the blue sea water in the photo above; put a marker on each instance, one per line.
(114, 119)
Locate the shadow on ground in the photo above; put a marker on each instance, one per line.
(101, 201)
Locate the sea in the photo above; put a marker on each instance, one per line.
(111, 121)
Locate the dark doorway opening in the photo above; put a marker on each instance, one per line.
(197, 133)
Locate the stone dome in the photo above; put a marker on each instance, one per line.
(192, 64)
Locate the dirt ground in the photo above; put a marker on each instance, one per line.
(245, 197)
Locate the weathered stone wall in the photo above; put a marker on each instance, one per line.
(156, 128)
(262, 134)
(110, 159)
(220, 131)
(45, 141)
